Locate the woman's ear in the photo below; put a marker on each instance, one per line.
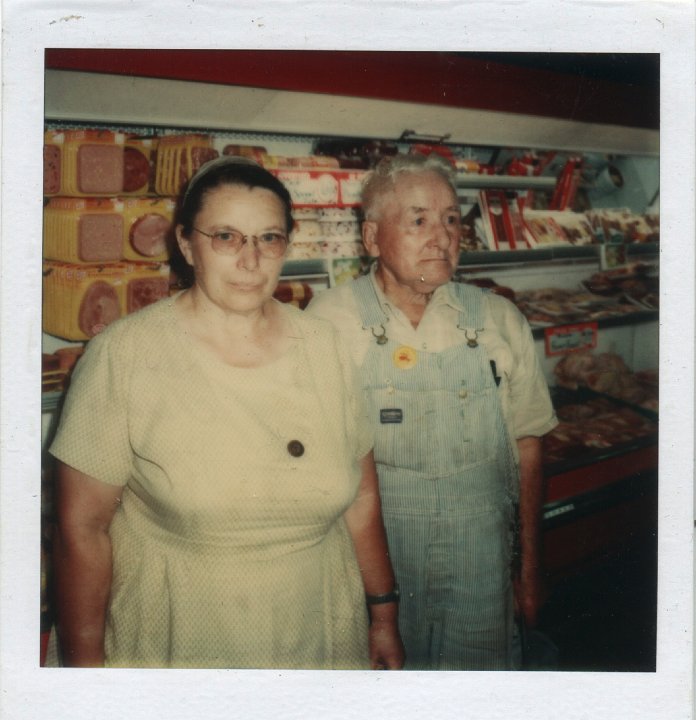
(369, 237)
(184, 244)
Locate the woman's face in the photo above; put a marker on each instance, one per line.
(244, 282)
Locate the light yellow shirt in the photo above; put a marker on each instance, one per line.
(506, 337)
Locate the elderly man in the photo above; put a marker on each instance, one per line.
(459, 406)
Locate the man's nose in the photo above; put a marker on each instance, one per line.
(443, 234)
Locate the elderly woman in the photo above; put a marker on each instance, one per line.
(459, 404)
(217, 496)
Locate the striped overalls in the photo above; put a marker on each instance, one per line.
(447, 480)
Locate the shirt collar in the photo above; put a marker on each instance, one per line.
(444, 295)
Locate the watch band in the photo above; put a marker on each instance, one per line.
(392, 596)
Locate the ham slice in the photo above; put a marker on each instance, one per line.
(100, 237)
(100, 168)
(99, 307)
(148, 234)
(136, 170)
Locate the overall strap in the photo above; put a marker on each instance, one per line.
(472, 299)
(371, 313)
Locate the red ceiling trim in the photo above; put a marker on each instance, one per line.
(448, 79)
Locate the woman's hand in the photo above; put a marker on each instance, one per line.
(82, 561)
(386, 648)
(364, 522)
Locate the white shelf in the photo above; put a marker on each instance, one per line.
(505, 182)
(96, 97)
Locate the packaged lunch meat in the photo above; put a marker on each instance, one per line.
(79, 301)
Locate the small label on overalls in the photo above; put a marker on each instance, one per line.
(391, 415)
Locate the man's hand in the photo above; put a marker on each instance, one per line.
(530, 593)
(386, 649)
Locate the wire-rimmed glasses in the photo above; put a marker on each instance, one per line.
(270, 244)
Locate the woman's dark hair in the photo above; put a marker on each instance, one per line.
(225, 170)
(229, 170)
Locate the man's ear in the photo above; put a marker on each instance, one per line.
(184, 244)
(369, 237)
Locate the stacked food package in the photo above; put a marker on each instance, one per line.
(622, 225)
(105, 229)
(325, 191)
(81, 299)
(595, 425)
(607, 294)
(97, 163)
(550, 306)
(508, 225)
(178, 158)
(295, 293)
(607, 373)
(109, 211)
(101, 230)
(635, 283)
(601, 404)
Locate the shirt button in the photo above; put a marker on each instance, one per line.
(424, 346)
(296, 448)
(463, 393)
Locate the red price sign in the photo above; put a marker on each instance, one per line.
(566, 339)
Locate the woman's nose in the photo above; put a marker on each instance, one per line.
(249, 254)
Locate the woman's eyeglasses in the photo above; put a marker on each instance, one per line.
(229, 242)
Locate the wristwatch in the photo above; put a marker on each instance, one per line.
(392, 596)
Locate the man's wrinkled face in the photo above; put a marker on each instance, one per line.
(417, 232)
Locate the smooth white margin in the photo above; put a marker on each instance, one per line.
(28, 692)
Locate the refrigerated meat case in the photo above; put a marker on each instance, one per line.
(595, 503)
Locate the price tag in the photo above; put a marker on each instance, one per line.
(566, 339)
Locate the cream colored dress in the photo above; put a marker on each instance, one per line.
(229, 551)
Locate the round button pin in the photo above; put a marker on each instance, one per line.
(296, 448)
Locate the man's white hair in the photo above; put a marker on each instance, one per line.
(382, 179)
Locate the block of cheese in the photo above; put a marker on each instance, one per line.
(178, 158)
(85, 230)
